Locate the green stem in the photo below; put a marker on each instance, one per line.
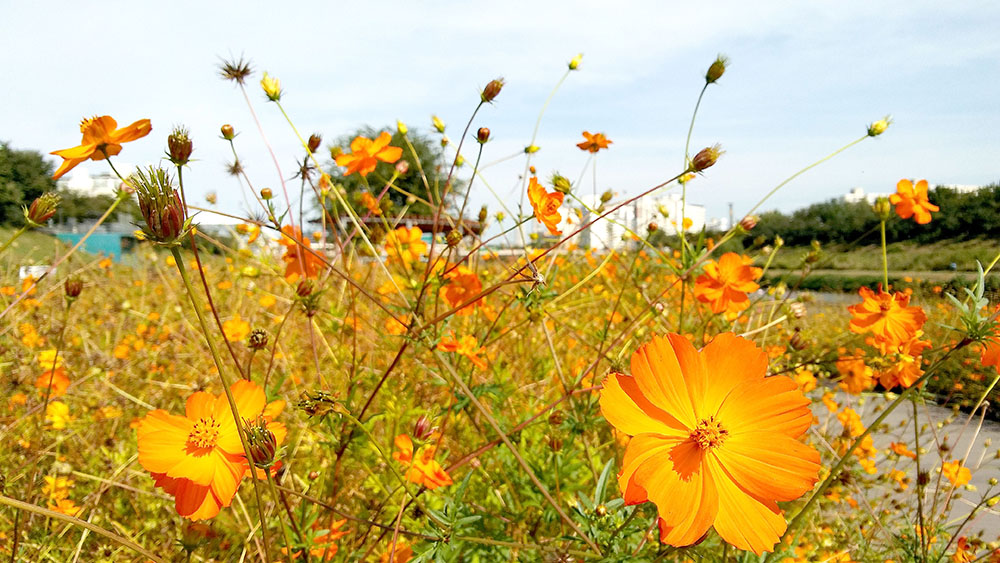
(885, 259)
(920, 488)
(284, 529)
(225, 386)
(19, 232)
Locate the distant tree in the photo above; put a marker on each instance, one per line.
(432, 159)
(24, 175)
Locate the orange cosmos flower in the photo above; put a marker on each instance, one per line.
(715, 443)
(423, 469)
(888, 316)
(101, 138)
(370, 203)
(467, 346)
(299, 262)
(911, 201)
(955, 473)
(905, 369)
(899, 448)
(726, 283)
(402, 554)
(546, 205)
(323, 541)
(57, 380)
(405, 245)
(856, 375)
(460, 285)
(236, 329)
(365, 154)
(198, 458)
(594, 142)
(991, 352)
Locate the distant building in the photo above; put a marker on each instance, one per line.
(83, 183)
(612, 231)
(858, 194)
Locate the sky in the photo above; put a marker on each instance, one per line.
(805, 78)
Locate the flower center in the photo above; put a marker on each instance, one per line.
(884, 306)
(709, 433)
(205, 433)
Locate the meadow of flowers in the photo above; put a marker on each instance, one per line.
(345, 390)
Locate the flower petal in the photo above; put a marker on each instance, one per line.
(743, 520)
(782, 471)
(658, 374)
(730, 360)
(774, 404)
(628, 410)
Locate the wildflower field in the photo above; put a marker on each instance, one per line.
(385, 376)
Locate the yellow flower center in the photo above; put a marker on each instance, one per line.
(205, 433)
(709, 433)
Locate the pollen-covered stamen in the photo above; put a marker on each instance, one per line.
(709, 433)
(204, 433)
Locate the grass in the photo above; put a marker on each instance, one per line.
(903, 256)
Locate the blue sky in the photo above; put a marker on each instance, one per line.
(805, 78)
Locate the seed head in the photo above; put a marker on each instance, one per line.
(236, 70)
(606, 196)
(179, 146)
(257, 339)
(42, 209)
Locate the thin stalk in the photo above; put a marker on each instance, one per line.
(225, 386)
(277, 500)
(13, 237)
(885, 260)
(920, 488)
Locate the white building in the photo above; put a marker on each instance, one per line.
(612, 231)
(858, 194)
(81, 182)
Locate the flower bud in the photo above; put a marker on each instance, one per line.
(606, 196)
(532, 170)
(314, 141)
(401, 127)
(601, 510)
(798, 309)
(459, 161)
(453, 238)
(796, 341)
(211, 197)
(492, 90)
(923, 478)
(500, 216)
(716, 69)
(313, 475)
(483, 213)
(304, 289)
(483, 135)
(652, 227)
(748, 223)
(402, 167)
(561, 183)
(556, 418)
(437, 123)
(257, 339)
(73, 287)
(271, 86)
(706, 158)
(261, 443)
(160, 206)
(227, 132)
(882, 208)
(531, 149)
(179, 146)
(574, 63)
(879, 127)
(266, 194)
(422, 429)
(42, 209)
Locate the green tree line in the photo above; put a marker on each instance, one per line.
(963, 216)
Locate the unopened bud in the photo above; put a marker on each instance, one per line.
(42, 209)
(923, 478)
(160, 205)
(179, 146)
(437, 123)
(314, 142)
(561, 183)
(483, 213)
(266, 194)
(500, 216)
(313, 475)
(879, 127)
(261, 443)
(304, 289)
(492, 89)
(606, 196)
(798, 309)
(652, 227)
(73, 287)
(401, 127)
(748, 223)
(402, 167)
(422, 429)
(574, 63)
(601, 510)
(483, 135)
(796, 341)
(706, 158)
(716, 69)
(227, 132)
(531, 149)
(882, 208)
(257, 339)
(556, 418)
(453, 238)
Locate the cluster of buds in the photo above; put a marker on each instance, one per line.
(716, 69)
(492, 90)
(316, 403)
(257, 339)
(179, 146)
(160, 204)
(42, 209)
(261, 443)
(706, 158)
